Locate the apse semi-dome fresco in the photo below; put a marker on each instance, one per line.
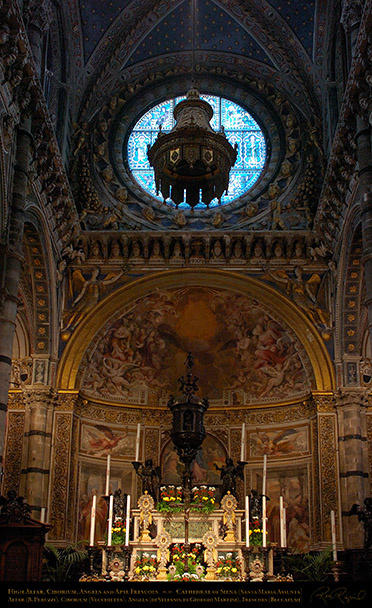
(239, 126)
(242, 353)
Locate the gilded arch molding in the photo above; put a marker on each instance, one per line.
(283, 309)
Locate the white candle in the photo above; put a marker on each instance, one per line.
(281, 519)
(264, 475)
(285, 526)
(264, 521)
(333, 530)
(107, 489)
(138, 442)
(111, 511)
(127, 522)
(42, 515)
(93, 520)
(247, 521)
(242, 449)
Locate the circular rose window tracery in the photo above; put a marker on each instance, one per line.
(239, 126)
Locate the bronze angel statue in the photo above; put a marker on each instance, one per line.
(229, 474)
(150, 477)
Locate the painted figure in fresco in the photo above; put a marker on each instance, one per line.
(229, 475)
(273, 444)
(150, 477)
(364, 515)
(236, 344)
(86, 293)
(101, 440)
(303, 292)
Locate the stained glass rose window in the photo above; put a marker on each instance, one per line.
(239, 126)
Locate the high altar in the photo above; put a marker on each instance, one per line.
(216, 548)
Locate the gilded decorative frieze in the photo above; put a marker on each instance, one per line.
(328, 472)
(13, 453)
(152, 444)
(60, 467)
(67, 401)
(16, 400)
(123, 415)
(316, 523)
(73, 480)
(324, 402)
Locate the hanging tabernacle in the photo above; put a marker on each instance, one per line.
(192, 158)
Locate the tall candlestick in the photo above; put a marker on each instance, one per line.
(242, 449)
(107, 490)
(264, 475)
(264, 521)
(333, 530)
(138, 442)
(127, 522)
(285, 526)
(247, 521)
(111, 512)
(93, 520)
(281, 519)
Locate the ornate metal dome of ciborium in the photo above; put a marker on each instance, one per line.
(188, 430)
(192, 157)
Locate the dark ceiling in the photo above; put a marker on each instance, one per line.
(216, 29)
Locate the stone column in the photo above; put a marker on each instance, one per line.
(36, 16)
(351, 15)
(11, 271)
(353, 451)
(35, 471)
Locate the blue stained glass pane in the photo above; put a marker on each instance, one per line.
(137, 149)
(159, 115)
(240, 128)
(254, 150)
(235, 117)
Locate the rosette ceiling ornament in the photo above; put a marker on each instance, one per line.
(192, 162)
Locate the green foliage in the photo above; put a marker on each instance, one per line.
(63, 564)
(310, 566)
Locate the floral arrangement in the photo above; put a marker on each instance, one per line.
(186, 563)
(203, 499)
(170, 499)
(228, 567)
(146, 567)
(118, 532)
(256, 533)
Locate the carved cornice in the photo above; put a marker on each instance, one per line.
(352, 397)
(178, 248)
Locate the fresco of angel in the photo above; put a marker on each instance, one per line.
(100, 440)
(303, 292)
(277, 443)
(86, 294)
